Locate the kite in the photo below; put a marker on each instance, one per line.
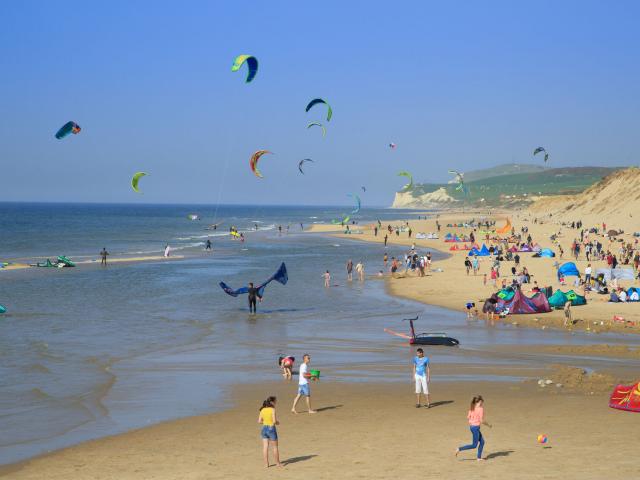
(324, 130)
(460, 179)
(280, 276)
(357, 199)
(66, 129)
(252, 65)
(541, 149)
(320, 100)
(409, 185)
(253, 162)
(341, 222)
(301, 162)
(193, 216)
(135, 179)
(392, 146)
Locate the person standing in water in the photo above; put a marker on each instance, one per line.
(253, 296)
(476, 418)
(208, 245)
(268, 419)
(422, 377)
(349, 270)
(103, 257)
(167, 251)
(360, 271)
(386, 238)
(303, 384)
(327, 279)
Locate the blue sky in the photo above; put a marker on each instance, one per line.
(455, 84)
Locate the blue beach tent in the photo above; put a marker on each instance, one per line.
(568, 269)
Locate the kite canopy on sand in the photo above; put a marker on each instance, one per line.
(66, 129)
(281, 276)
(626, 397)
(315, 101)
(135, 179)
(507, 227)
(253, 162)
(252, 66)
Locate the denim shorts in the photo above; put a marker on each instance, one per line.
(269, 433)
(304, 390)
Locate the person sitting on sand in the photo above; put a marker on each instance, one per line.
(622, 295)
(268, 419)
(475, 416)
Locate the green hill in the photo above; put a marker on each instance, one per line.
(502, 170)
(517, 187)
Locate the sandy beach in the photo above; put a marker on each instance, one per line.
(453, 288)
(368, 431)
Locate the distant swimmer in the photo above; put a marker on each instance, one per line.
(208, 245)
(280, 229)
(103, 256)
(167, 251)
(255, 225)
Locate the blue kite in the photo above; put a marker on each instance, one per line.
(280, 276)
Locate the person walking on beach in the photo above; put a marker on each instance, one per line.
(467, 264)
(303, 385)
(475, 416)
(327, 279)
(476, 265)
(422, 377)
(349, 270)
(386, 238)
(268, 419)
(207, 245)
(103, 257)
(253, 296)
(568, 320)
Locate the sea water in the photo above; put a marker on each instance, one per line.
(92, 351)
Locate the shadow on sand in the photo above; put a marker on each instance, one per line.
(332, 407)
(440, 403)
(503, 453)
(301, 458)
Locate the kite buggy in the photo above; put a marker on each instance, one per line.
(424, 338)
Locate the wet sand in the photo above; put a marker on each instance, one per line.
(369, 431)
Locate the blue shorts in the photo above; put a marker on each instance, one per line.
(269, 433)
(304, 390)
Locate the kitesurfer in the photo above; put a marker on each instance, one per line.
(253, 296)
(208, 245)
(103, 256)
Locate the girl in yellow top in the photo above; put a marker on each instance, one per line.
(269, 433)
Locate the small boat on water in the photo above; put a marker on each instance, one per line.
(425, 338)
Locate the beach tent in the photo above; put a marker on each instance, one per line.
(558, 299)
(547, 253)
(526, 248)
(537, 248)
(521, 304)
(630, 291)
(568, 269)
(626, 397)
(616, 273)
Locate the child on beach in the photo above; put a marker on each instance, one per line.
(469, 306)
(475, 416)
(269, 433)
(286, 364)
